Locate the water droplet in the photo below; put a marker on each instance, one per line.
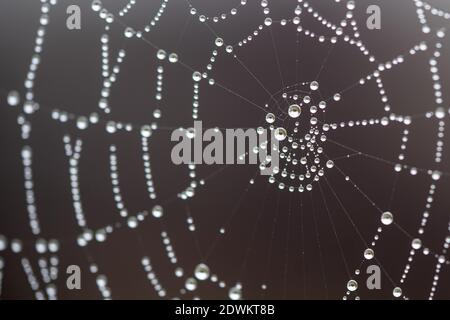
(387, 218)
(161, 54)
(16, 245)
(41, 246)
(3, 242)
(268, 21)
(416, 244)
(191, 284)
(94, 118)
(129, 32)
(202, 272)
(29, 107)
(280, 134)
(397, 292)
(235, 293)
(369, 254)
(352, 285)
(440, 113)
(96, 5)
(101, 280)
(132, 222)
(82, 123)
(322, 104)
(219, 42)
(146, 131)
(190, 133)
(157, 113)
(306, 99)
(294, 111)
(197, 76)
(436, 175)
(100, 235)
(270, 118)
(337, 97)
(157, 211)
(173, 58)
(53, 245)
(351, 5)
(179, 272)
(314, 85)
(13, 98)
(111, 127)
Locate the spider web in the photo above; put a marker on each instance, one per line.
(379, 199)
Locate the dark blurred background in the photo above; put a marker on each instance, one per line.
(294, 249)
